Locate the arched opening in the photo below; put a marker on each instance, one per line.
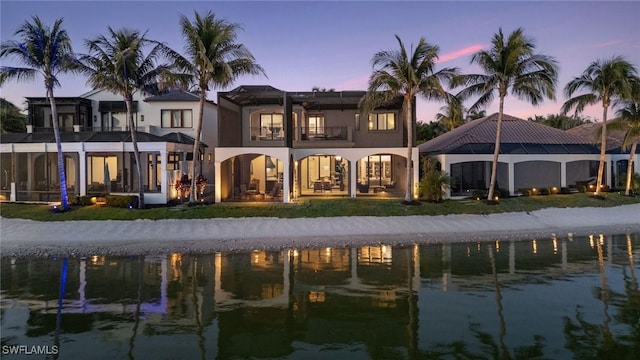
(252, 177)
(323, 174)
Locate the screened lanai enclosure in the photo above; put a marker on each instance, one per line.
(102, 164)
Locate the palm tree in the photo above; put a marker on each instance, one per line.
(117, 63)
(407, 74)
(629, 121)
(604, 81)
(44, 51)
(510, 65)
(11, 119)
(475, 114)
(452, 114)
(215, 61)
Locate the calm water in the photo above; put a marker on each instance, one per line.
(546, 298)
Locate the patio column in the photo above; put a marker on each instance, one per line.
(512, 189)
(154, 171)
(563, 174)
(82, 168)
(445, 166)
(218, 182)
(352, 178)
(607, 169)
(164, 182)
(286, 181)
(415, 158)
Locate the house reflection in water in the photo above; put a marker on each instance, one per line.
(276, 303)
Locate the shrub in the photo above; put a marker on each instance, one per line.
(544, 191)
(122, 201)
(84, 200)
(433, 185)
(525, 192)
(434, 182)
(479, 194)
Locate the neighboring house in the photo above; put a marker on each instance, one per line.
(276, 144)
(97, 144)
(618, 158)
(532, 155)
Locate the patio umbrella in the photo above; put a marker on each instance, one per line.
(107, 178)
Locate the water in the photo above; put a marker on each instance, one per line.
(545, 298)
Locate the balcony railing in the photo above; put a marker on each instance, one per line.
(267, 134)
(327, 133)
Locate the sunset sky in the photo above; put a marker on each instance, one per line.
(329, 44)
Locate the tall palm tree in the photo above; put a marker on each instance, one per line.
(117, 63)
(510, 65)
(407, 74)
(629, 121)
(603, 81)
(45, 51)
(215, 61)
(452, 114)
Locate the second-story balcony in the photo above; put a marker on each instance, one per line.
(327, 136)
(304, 137)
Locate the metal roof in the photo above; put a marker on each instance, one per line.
(518, 136)
(248, 95)
(93, 136)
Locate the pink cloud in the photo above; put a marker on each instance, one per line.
(460, 53)
(609, 43)
(358, 83)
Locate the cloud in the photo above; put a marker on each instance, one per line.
(357, 83)
(610, 43)
(460, 53)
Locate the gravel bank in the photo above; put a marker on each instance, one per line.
(33, 238)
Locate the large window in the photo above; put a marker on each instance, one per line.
(376, 170)
(177, 118)
(382, 121)
(316, 124)
(273, 122)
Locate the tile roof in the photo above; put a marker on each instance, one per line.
(517, 136)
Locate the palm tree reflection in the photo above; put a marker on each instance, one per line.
(592, 341)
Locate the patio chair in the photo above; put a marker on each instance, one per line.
(243, 191)
(275, 192)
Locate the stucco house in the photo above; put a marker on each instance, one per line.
(280, 144)
(532, 155)
(96, 142)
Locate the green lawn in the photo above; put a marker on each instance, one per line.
(314, 207)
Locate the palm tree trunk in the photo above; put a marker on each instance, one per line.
(64, 201)
(136, 153)
(630, 168)
(408, 194)
(496, 151)
(603, 150)
(196, 147)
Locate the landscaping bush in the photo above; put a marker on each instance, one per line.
(525, 192)
(434, 182)
(84, 200)
(565, 191)
(544, 191)
(433, 185)
(122, 201)
(479, 194)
